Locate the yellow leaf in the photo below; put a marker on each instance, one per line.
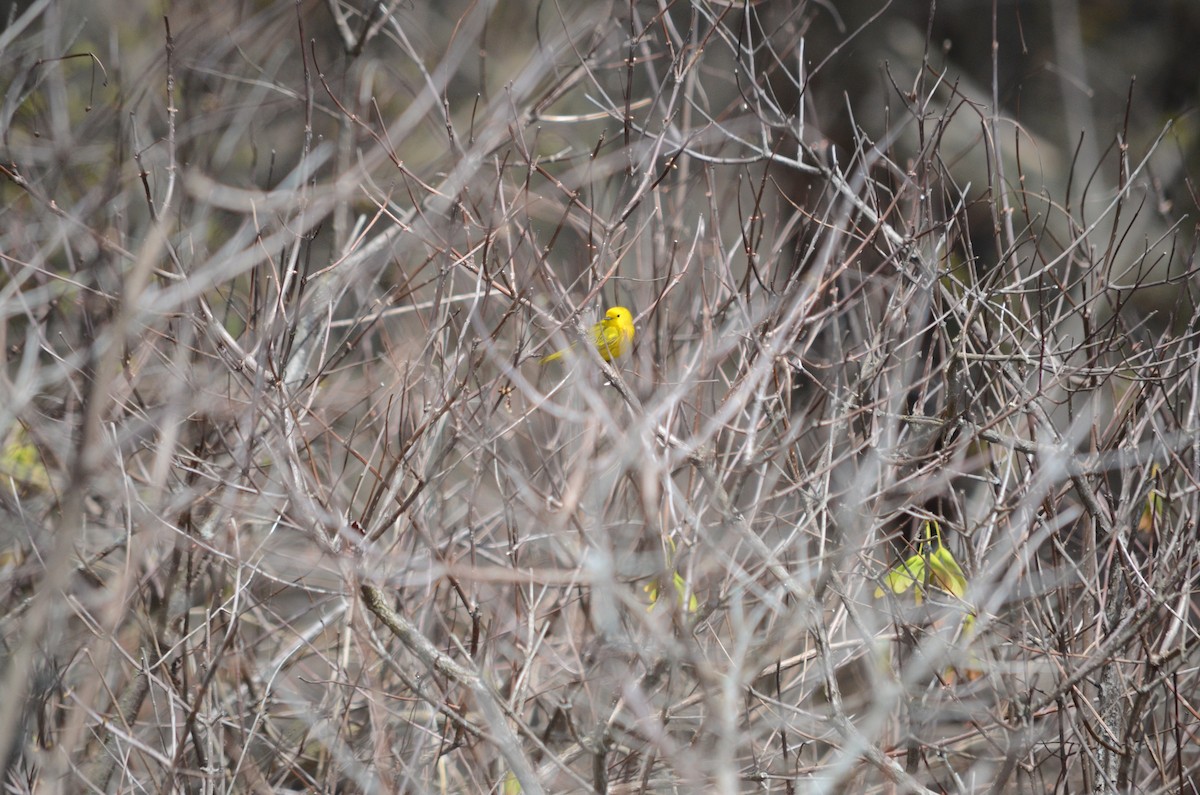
(681, 587)
(935, 565)
(21, 460)
(968, 624)
(1154, 503)
(904, 576)
(944, 571)
(685, 598)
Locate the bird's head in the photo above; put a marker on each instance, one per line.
(618, 313)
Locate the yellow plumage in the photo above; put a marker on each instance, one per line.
(612, 336)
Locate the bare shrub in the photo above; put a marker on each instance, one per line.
(291, 504)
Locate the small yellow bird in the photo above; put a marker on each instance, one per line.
(612, 336)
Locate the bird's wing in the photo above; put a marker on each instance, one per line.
(608, 338)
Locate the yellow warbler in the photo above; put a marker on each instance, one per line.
(612, 336)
